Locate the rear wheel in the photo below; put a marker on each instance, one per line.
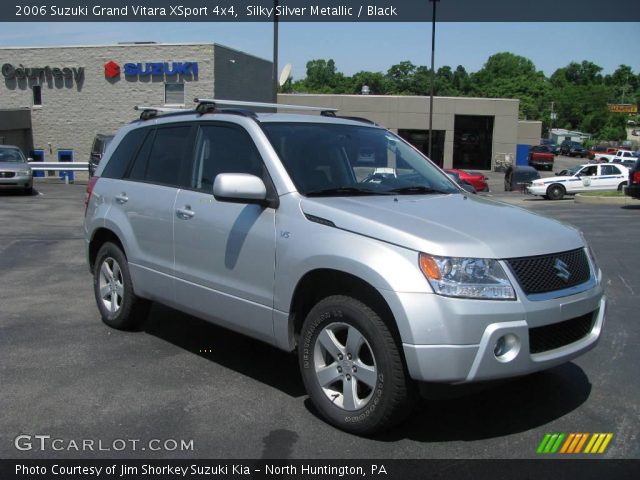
(119, 306)
(555, 192)
(621, 186)
(352, 367)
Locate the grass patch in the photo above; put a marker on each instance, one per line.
(606, 193)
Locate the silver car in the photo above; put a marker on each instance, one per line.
(15, 172)
(378, 271)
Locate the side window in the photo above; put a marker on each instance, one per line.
(167, 153)
(615, 170)
(140, 163)
(222, 149)
(124, 153)
(589, 171)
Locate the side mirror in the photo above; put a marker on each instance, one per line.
(239, 187)
(29, 159)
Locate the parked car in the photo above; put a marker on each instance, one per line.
(98, 147)
(266, 224)
(604, 176)
(633, 188)
(616, 156)
(476, 179)
(552, 146)
(541, 156)
(517, 177)
(595, 150)
(456, 178)
(15, 172)
(572, 149)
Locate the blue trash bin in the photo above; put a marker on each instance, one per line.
(38, 156)
(66, 156)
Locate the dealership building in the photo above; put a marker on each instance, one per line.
(54, 100)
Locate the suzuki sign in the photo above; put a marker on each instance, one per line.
(187, 69)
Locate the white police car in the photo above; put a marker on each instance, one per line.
(604, 176)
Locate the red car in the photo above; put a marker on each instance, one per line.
(541, 156)
(478, 180)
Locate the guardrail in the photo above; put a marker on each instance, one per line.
(73, 166)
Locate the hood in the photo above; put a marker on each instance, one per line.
(450, 225)
(557, 179)
(13, 166)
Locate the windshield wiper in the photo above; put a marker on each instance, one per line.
(343, 191)
(416, 189)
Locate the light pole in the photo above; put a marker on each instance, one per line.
(274, 74)
(433, 76)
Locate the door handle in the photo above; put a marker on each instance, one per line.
(185, 213)
(122, 198)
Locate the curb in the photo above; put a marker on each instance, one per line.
(595, 200)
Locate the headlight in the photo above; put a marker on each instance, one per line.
(591, 254)
(23, 173)
(466, 277)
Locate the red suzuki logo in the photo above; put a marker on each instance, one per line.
(111, 69)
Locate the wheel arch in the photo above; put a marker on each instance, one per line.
(321, 283)
(100, 237)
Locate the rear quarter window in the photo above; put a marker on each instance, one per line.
(124, 153)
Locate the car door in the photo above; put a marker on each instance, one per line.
(146, 198)
(584, 179)
(225, 251)
(609, 177)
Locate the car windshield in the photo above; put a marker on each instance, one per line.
(326, 159)
(11, 155)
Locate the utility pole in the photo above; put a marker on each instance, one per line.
(433, 76)
(552, 117)
(274, 75)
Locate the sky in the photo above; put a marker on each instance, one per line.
(366, 46)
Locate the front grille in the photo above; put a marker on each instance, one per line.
(7, 174)
(542, 339)
(542, 273)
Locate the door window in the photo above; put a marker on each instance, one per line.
(223, 149)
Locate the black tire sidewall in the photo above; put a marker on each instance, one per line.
(351, 312)
(122, 318)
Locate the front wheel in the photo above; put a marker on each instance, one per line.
(119, 306)
(352, 367)
(555, 192)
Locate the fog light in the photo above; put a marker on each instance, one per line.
(507, 347)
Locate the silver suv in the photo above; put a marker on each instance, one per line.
(334, 238)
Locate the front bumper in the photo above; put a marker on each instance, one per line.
(453, 340)
(22, 181)
(537, 190)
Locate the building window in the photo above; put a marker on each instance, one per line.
(174, 93)
(37, 95)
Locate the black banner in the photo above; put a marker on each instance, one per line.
(319, 11)
(561, 469)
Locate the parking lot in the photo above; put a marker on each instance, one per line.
(63, 373)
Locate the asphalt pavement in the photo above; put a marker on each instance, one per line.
(66, 375)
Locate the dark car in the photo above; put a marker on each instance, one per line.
(633, 186)
(572, 149)
(541, 156)
(552, 146)
(516, 178)
(100, 144)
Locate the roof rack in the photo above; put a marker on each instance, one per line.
(148, 112)
(240, 103)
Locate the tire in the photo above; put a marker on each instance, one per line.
(119, 306)
(621, 186)
(555, 192)
(28, 191)
(341, 339)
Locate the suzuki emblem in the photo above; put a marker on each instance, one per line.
(561, 270)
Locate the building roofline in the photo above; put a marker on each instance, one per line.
(395, 96)
(128, 44)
